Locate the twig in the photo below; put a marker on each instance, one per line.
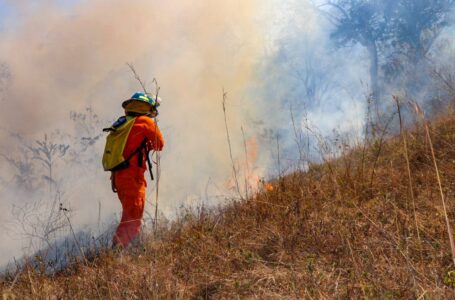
(32, 286)
(157, 154)
(298, 136)
(278, 156)
(247, 169)
(408, 165)
(324, 150)
(381, 143)
(157, 190)
(158, 160)
(229, 144)
(64, 210)
(366, 141)
(420, 112)
(137, 77)
(14, 281)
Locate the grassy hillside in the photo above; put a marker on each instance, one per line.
(343, 229)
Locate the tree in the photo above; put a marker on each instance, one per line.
(396, 33)
(364, 22)
(417, 24)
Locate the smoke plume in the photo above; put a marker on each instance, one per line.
(62, 60)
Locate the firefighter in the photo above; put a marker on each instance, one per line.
(126, 152)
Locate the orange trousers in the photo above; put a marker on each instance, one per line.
(131, 186)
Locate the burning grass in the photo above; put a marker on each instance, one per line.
(343, 229)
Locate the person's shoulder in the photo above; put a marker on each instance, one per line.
(145, 120)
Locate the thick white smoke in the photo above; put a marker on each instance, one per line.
(64, 59)
(63, 76)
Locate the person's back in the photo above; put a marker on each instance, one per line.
(144, 128)
(130, 183)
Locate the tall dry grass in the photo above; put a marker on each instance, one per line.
(329, 232)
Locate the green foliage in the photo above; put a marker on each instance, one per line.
(449, 279)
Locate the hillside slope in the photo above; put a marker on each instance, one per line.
(344, 229)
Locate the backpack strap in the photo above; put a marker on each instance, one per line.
(113, 186)
(145, 152)
(140, 152)
(120, 121)
(126, 163)
(149, 163)
(140, 156)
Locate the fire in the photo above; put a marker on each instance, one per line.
(247, 173)
(268, 187)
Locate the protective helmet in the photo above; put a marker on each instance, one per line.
(143, 97)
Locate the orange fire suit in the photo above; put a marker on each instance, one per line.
(130, 182)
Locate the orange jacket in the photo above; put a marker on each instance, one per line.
(130, 182)
(143, 127)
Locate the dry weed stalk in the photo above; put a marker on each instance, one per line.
(32, 285)
(157, 188)
(247, 168)
(228, 137)
(426, 123)
(158, 161)
(324, 150)
(84, 257)
(297, 137)
(157, 153)
(65, 210)
(366, 140)
(137, 77)
(403, 134)
(380, 145)
(278, 156)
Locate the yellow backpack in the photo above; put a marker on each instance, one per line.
(113, 159)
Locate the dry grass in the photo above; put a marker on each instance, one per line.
(308, 238)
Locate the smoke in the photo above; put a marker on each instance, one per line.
(65, 59)
(63, 76)
(325, 83)
(307, 82)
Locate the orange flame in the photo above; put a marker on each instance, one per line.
(268, 187)
(247, 172)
